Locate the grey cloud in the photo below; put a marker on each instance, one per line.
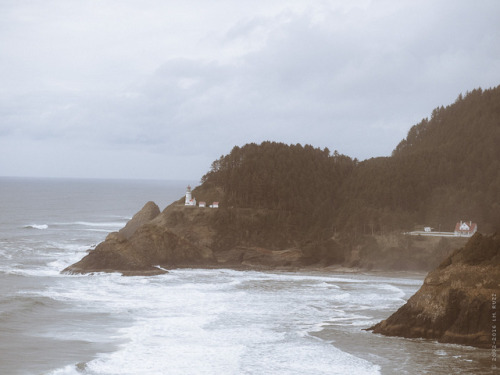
(354, 81)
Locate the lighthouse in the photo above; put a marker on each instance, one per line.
(190, 201)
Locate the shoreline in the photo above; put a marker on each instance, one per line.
(293, 269)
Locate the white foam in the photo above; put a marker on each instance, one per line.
(226, 322)
(100, 224)
(97, 230)
(48, 259)
(32, 272)
(67, 370)
(5, 254)
(70, 247)
(37, 226)
(396, 293)
(221, 354)
(327, 285)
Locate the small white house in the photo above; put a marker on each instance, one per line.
(202, 204)
(190, 201)
(214, 205)
(465, 229)
(427, 229)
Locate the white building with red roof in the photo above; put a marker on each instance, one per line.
(465, 229)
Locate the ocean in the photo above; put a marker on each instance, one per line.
(189, 321)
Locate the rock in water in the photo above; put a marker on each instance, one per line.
(457, 302)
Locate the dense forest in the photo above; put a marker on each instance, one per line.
(301, 181)
(445, 170)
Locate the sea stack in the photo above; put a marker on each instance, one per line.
(457, 302)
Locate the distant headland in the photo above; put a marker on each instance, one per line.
(321, 208)
(278, 206)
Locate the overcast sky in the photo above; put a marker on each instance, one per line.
(159, 89)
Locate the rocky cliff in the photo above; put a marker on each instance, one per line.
(457, 302)
(180, 236)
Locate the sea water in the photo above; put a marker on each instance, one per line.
(189, 321)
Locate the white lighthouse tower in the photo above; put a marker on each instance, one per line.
(190, 201)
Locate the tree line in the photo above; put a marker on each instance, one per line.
(445, 170)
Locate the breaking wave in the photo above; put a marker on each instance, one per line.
(36, 226)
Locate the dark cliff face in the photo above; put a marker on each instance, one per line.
(457, 300)
(145, 246)
(191, 237)
(145, 215)
(183, 236)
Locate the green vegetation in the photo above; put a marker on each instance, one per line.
(445, 170)
(302, 183)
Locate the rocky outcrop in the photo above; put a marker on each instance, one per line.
(457, 302)
(145, 215)
(146, 246)
(180, 236)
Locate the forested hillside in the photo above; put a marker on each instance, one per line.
(293, 206)
(301, 181)
(447, 169)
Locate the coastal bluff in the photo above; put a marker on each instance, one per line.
(247, 238)
(181, 236)
(457, 302)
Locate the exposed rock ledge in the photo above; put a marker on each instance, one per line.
(457, 300)
(180, 236)
(240, 238)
